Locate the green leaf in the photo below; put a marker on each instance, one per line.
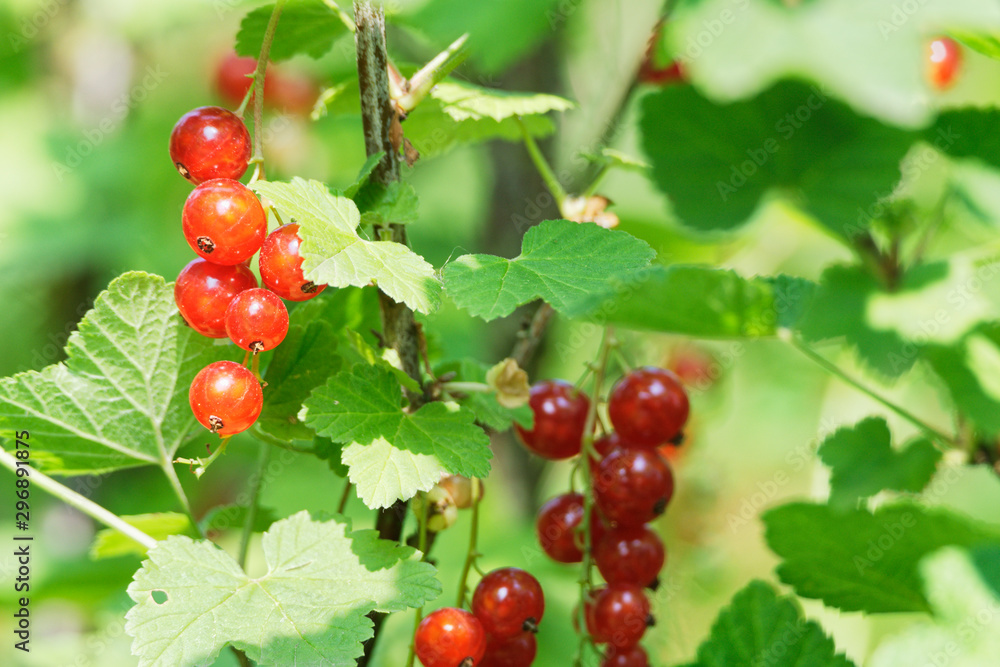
(861, 561)
(363, 174)
(392, 454)
(987, 44)
(863, 463)
(716, 163)
(464, 101)
(760, 628)
(232, 517)
(970, 371)
(387, 359)
(344, 308)
(964, 630)
(488, 412)
(333, 253)
(305, 26)
(613, 158)
(562, 262)
(732, 50)
(395, 203)
(192, 599)
(121, 397)
(689, 300)
(109, 543)
(967, 133)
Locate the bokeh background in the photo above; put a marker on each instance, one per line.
(89, 91)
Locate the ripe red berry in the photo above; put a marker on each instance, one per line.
(517, 651)
(634, 656)
(257, 320)
(632, 486)
(450, 637)
(557, 525)
(226, 398)
(224, 222)
(281, 265)
(603, 446)
(203, 291)
(648, 407)
(210, 142)
(618, 614)
(287, 91)
(560, 418)
(944, 61)
(632, 555)
(508, 602)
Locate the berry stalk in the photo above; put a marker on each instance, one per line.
(258, 78)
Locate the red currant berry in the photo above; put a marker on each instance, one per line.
(224, 221)
(630, 556)
(603, 446)
(257, 320)
(557, 525)
(226, 398)
(618, 615)
(281, 265)
(203, 291)
(634, 656)
(560, 418)
(648, 407)
(450, 637)
(945, 59)
(210, 142)
(516, 651)
(232, 80)
(632, 486)
(508, 602)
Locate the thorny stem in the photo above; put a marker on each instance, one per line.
(473, 553)
(256, 483)
(258, 85)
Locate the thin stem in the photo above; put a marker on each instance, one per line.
(344, 17)
(251, 518)
(175, 484)
(203, 463)
(258, 78)
(419, 611)
(542, 165)
(472, 553)
(432, 73)
(596, 182)
(345, 496)
(928, 430)
(466, 388)
(529, 339)
(82, 503)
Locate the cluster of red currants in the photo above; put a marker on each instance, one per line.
(632, 484)
(217, 293)
(500, 632)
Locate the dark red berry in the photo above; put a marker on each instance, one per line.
(557, 528)
(603, 446)
(634, 656)
(560, 418)
(281, 265)
(618, 615)
(226, 398)
(210, 142)
(450, 637)
(632, 486)
(204, 290)
(224, 221)
(632, 555)
(648, 407)
(508, 602)
(257, 320)
(944, 62)
(517, 651)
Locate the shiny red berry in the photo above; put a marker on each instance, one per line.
(257, 320)
(450, 637)
(632, 486)
(281, 265)
(508, 602)
(226, 398)
(618, 615)
(944, 62)
(632, 555)
(210, 142)
(517, 651)
(634, 656)
(224, 222)
(603, 446)
(560, 418)
(648, 407)
(557, 524)
(204, 290)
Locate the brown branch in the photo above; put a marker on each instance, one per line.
(531, 336)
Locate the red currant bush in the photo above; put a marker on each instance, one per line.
(281, 265)
(204, 290)
(224, 222)
(634, 656)
(516, 651)
(648, 407)
(557, 524)
(632, 486)
(560, 419)
(630, 556)
(257, 320)
(210, 142)
(508, 602)
(618, 615)
(450, 637)
(944, 62)
(226, 398)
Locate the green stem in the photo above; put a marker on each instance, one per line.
(419, 611)
(82, 503)
(598, 177)
(467, 388)
(258, 78)
(256, 484)
(175, 484)
(203, 464)
(473, 553)
(433, 73)
(928, 430)
(544, 170)
(344, 16)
